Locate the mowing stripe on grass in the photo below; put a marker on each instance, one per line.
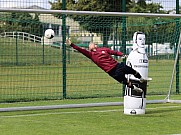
(78, 112)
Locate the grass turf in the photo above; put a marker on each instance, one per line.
(159, 119)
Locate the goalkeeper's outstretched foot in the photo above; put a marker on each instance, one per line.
(139, 90)
(145, 80)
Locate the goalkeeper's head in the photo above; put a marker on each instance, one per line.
(92, 46)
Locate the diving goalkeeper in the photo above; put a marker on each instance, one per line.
(101, 56)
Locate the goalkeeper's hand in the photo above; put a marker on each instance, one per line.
(68, 42)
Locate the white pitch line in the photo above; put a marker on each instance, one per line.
(43, 114)
(164, 107)
(79, 112)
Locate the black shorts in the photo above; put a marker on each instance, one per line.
(119, 72)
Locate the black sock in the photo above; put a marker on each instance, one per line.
(137, 75)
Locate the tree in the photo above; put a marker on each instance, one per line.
(20, 21)
(56, 6)
(35, 23)
(94, 24)
(142, 7)
(24, 22)
(106, 25)
(146, 24)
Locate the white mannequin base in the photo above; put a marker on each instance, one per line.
(134, 105)
(134, 111)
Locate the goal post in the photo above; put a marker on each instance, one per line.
(174, 68)
(71, 12)
(41, 73)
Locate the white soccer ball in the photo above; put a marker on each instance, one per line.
(49, 33)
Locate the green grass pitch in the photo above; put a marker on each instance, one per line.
(159, 119)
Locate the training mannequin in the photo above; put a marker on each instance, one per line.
(135, 103)
(139, 42)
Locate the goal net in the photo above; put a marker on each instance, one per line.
(36, 68)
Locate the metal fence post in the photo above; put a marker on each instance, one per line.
(16, 47)
(124, 34)
(177, 65)
(64, 48)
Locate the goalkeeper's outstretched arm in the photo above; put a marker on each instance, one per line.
(81, 50)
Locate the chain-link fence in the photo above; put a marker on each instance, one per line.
(36, 68)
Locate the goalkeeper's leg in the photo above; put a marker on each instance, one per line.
(130, 70)
(133, 87)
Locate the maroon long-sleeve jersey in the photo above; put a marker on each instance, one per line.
(101, 57)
